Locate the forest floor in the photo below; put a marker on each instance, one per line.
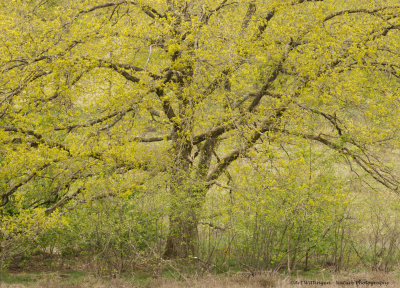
(79, 279)
(47, 271)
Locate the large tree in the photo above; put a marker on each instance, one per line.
(185, 88)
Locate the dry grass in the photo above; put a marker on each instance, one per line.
(212, 281)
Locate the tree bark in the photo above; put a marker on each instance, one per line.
(188, 192)
(182, 240)
(182, 236)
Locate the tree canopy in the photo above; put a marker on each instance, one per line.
(170, 94)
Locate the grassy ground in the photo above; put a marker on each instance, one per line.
(77, 279)
(44, 271)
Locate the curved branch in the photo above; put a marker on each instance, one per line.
(353, 11)
(64, 201)
(39, 137)
(12, 190)
(373, 169)
(228, 159)
(331, 118)
(149, 11)
(213, 133)
(95, 121)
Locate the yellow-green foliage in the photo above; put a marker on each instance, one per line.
(259, 105)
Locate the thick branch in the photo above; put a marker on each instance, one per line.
(95, 121)
(63, 201)
(228, 159)
(9, 192)
(289, 47)
(213, 133)
(205, 17)
(206, 152)
(262, 27)
(39, 137)
(250, 12)
(122, 72)
(152, 139)
(353, 11)
(24, 83)
(264, 89)
(149, 11)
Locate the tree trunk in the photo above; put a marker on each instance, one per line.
(187, 196)
(182, 240)
(182, 236)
